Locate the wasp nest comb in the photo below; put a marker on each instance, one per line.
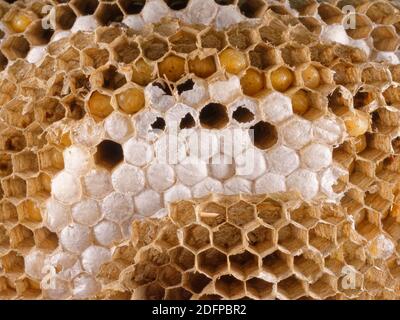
(113, 111)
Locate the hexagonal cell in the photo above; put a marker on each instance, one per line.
(169, 276)
(212, 214)
(69, 60)
(154, 48)
(244, 264)
(4, 239)
(85, 7)
(7, 288)
(305, 215)
(65, 17)
(291, 288)
(251, 8)
(51, 160)
(380, 11)
(15, 47)
(202, 67)
(182, 258)
(312, 24)
(13, 262)
(131, 100)
(168, 237)
(353, 254)
(324, 287)
(139, 274)
(195, 281)
(292, 238)
(263, 57)
(25, 163)
(270, 212)
(261, 239)
(112, 79)
(183, 41)
(308, 265)
(330, 14)
(227, 237)
(322, 237)
(183, 213)
(49, 110)
(241, 213)
(213, 39)
(241, 38)
(277, 264)
(14, 187)
(214, 116)
(263, 135)
(259, 288)
(385, 38)
(196, 237)
(8, 212)
(125, 50)
(346, 74)
(273, 32)
(14, 115)
(21, 237)
(229, 286)
(28, 212)
(94, 57)
(132, 7)
(142, 72)
(28, 288)
(158, 124)
(107, 13)
(212, 262)
(172, 67)
(362, 27)
(75, 107)
(368, 223)
(108, 154)
(6, 166)
(252, 82)
(12, 141)
(243, 115)
(177, 294)
(45, 239)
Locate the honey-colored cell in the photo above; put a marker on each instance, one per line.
(100, 105)
(252, 82)
(142, 72)
(172, 67)
(282, 78)
(300, 102)
(131, 100)
(311, 77)
(357, 123)
(202, 68)
(234, 61)
(20, 22)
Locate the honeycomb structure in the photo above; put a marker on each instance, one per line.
(94, 94)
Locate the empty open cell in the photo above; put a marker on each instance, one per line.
(28, 212)
(95, 57)
(305, 215)
(25, 162)
(196, 237)
(346, 74)
(263, 135)
(259, 288)
(261, 239)
(385, 38)
(202, 67)
(12, 141)
(277, 264)
(152, 291)
(187, 122)
(125, 50)
(158, 124)
(210, 297)
(353, 254)
(168, 237)
(13, 114)
(99, 105)
(312, 24)
(182, 258)
(375, 75)
(169, 276)
(49, 110)
(79, 81)
(244, 264)
(51, 160)
(322, 237)
(252, 82)
(251, 8)
(273, 32)
(3, 61)
(177, 4)
(112, 79)
(212, 214)
(4, 239)
(177, 294)
(213, 39)
(363, 26)
(392, 96)
(364, 97)
(13, 262)
(28, 288)
(292, 238)
(38, 35)
(212, 262)
(6, 166)
(85, 7)
(140, 274)
(107, 13)
(108, 154)
(8, 212)
(21, 237)
(195, 281)
(214, 116)
(291, 288)
(7, 288)
(154, 48)
(183, 42)
(374, 279)
(45, 239)
(183, 213)
(324, 287)
(75, 107)
(270, 212)
(240, 38)
(69, 60)
(330, 14)
(132, 6)
(263, 57)
(172, 67)
(241, 213)
(15, 47)
(229, 286)
(243, 115)
(227, 237)
(65, 17)
(380, 11)
(308, 265)
(368, 224)
(14, 187)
